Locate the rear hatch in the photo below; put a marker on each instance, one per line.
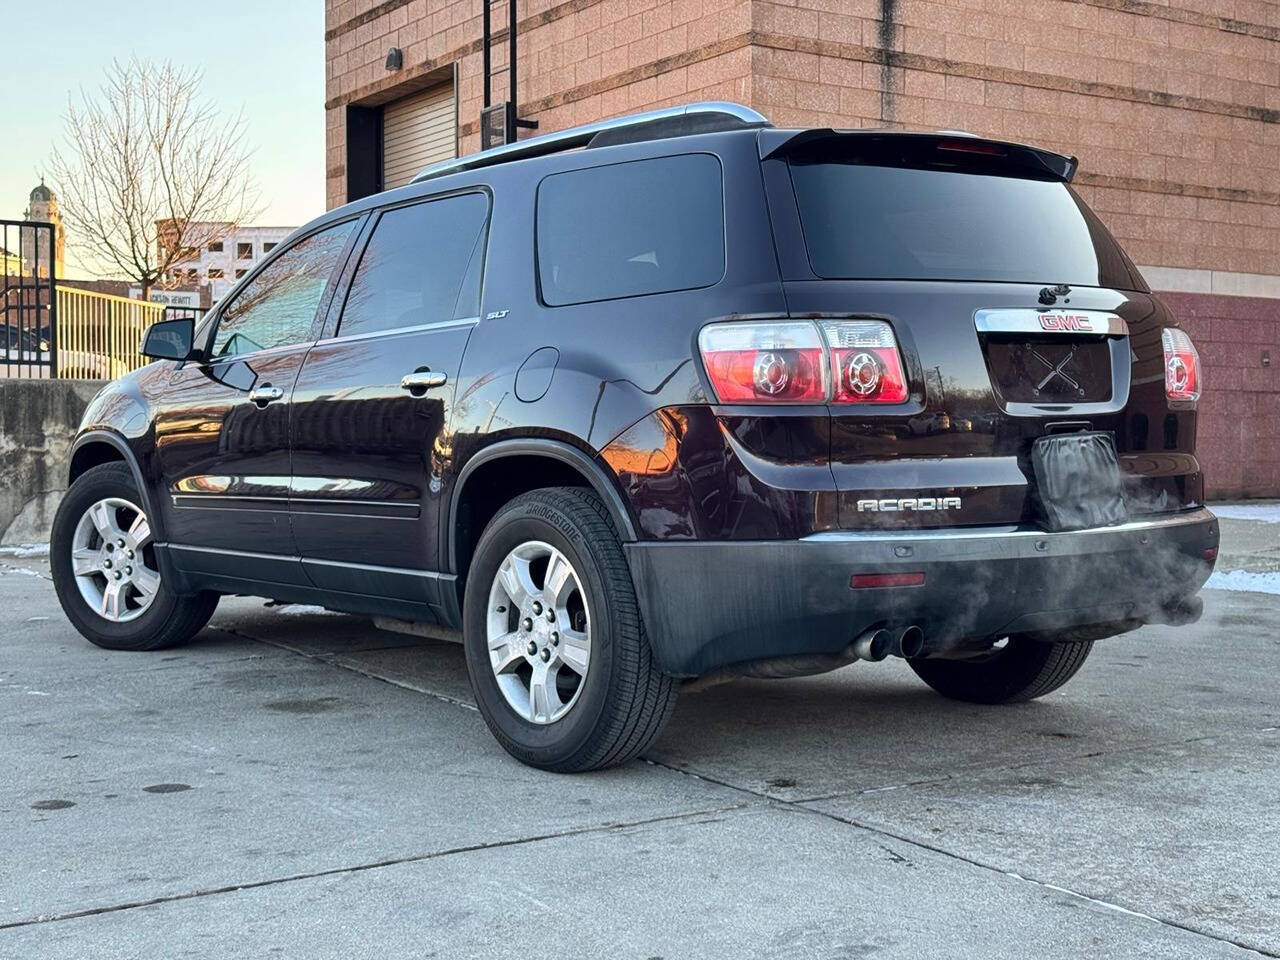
(1015, 312)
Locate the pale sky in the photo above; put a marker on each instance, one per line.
(263, 56)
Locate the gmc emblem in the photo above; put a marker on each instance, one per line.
(1065, 322)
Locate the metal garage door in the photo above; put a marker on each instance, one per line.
(417, 131)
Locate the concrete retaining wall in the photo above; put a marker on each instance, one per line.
(38, 420)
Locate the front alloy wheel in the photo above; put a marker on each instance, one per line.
(106, 571)
(114, 561)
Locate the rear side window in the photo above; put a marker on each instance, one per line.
(872, 222)
(647, 226)
(422, 265)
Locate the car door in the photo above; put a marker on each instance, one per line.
(372, 402)
(222, 425)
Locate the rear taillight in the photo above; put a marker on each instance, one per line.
(780, 361)
(1182, 379)
(769, 362)
(866, 365)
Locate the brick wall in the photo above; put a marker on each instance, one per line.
(1172, 106)
(1238, 429)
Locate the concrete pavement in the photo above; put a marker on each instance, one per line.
(303, 785)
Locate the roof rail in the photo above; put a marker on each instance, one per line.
(734, 115)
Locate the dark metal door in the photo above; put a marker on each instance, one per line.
(372, 404)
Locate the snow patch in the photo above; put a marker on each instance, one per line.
(1246, 580)
(305, 610)
(1266, 512)
(23, 550)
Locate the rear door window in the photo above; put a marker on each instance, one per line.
(628, 229)
(864, 221)
(422, 265)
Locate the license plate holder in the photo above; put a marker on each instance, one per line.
(1078, 481)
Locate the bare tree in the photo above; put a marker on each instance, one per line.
(149, 173)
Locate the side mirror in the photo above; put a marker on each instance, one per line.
(170, 340)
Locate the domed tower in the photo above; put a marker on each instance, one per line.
(42, 207)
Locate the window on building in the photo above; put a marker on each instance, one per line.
(244, 251)
(648, 226)
(268, 247)
(191, 276)
(422, 265)
(241, 272)
(279, 306)
(215, 273)
(215, 247)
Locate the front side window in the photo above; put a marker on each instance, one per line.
(422, 265)
(646, 226)
(278, 307)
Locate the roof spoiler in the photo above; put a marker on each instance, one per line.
(777, 143)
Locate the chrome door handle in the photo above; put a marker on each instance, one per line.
(265, 394)
(425, 380)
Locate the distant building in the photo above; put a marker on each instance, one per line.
(218, 263)
(10, 263)
(37, 256)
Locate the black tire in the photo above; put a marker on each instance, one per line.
(1024, 669)
(625, 700)
(170, 620)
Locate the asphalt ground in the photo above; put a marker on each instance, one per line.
(300, 784)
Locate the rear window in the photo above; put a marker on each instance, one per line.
(872, 222)
(647, 226)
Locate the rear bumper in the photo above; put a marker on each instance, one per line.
(708, 604)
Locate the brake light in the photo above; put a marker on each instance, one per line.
(770, 362)
(866, 365)
(1182, 380)
(783, 361)
(973, 146)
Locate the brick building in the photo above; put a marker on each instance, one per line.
(1173, 108)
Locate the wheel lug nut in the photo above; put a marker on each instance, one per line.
(117, 574)
(502, 608)
(129, 554)
(120, 542)
(555, 638)
(551, 616)
(537, 607)
(545, 654)
(107, 564)
(532, 648)
(526, 624)
(128, 571)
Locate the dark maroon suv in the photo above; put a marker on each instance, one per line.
(674, 396)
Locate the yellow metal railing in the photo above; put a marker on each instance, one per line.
(98, 334)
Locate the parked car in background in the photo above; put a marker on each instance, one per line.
(676, 396)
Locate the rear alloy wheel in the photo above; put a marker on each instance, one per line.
(1024, 668)
(557, 654)
(106, 572)
(539, 632)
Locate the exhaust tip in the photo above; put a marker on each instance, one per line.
(874, 645)
(911, 642)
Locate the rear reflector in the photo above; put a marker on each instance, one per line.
(1182, 380)
(1211, 554)
(867, 581)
